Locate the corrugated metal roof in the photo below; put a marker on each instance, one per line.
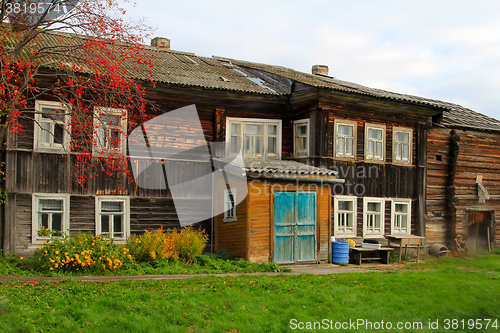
(279, 167)
(454, 115)
(173, 67)
(187, 69)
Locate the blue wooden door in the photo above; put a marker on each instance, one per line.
(306, 226)
(294, 227)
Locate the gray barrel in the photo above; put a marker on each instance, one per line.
(439, 250)
(340, 252)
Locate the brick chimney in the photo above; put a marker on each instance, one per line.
(320, 70)
(161, 43)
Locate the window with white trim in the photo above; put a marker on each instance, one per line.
(401, 217)
(50, 212)
(301, 137)
(374, 142)
(110, 131)
(230, 205)
(373, 216)
(256, 137)
(51, 127)
(345, 217)
(113, 217)
(345, 139)
(402, 145)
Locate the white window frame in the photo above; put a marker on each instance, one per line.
(336, 200)
(380, 201)
(126, 215)
(353, 124)
(394, 202)
(409, 131)
(369, 158)
(227, 202)
(35, 239)
(51, 147)
(297, 123)
(265, 122)
(104, 151)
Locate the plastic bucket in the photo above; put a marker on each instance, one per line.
(340, 252)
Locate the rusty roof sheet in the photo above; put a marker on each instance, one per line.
(172, 67)
(280, 167)
(454, 115)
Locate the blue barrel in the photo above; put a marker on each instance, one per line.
(340, 252)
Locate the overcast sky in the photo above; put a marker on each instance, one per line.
(446, 50)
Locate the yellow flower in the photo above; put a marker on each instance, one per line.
(51, 268)
(56, 265)
(57, 252)
(21, 258)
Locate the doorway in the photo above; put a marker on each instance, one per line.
(294, 226)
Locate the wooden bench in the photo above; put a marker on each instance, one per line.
(383, 254)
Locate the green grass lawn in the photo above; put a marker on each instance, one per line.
(439, 290)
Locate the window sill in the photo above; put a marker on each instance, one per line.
(230, 219)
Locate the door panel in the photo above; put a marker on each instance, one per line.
(294, 226)
(284, 227)
(306, 226)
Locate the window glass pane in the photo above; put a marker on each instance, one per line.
(272, 129)
(404, 221)
(252, 129)
(403, 137)
(345, 205)
(57, 221)
(401, 208)
(370, 147)
(52, 113)
(111, 119)
(104, 223)
(45, 133)
(112, 206)
(117, 225)
(374, 207)
(235, 128)
(398, 152)
(114, 137)
(58, 133)
(345, 130)
(341, 146)
(249, 149)
(259, 145)
(375, 134)
(302, 130)
(43, 220)
(406, 153)
(235, 144)
(348, 146)
(271, 145)
(50, 204)
(303, 144)
(379, 149)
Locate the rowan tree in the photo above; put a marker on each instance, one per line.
(84, 55)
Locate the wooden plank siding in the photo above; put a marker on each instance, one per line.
(478, 156)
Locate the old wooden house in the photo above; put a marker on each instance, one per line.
(463, 184)
(323, 158)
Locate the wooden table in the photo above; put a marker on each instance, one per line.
(358, 254)
(405, 240)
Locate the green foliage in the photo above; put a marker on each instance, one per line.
(184, 245)
(462, 289)
(189, 243)
(86, 252)
(495, 250)
(151, 245)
